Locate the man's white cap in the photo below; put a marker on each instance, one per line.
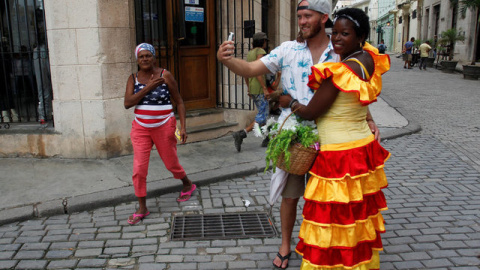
(322, 6)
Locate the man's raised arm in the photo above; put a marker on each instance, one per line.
(239, 66)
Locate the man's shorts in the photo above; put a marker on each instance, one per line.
(407, 57)
(295, 186)
(262, 106)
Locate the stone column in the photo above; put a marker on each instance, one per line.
(91, 46)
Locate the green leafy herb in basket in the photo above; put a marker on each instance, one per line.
(293, 131)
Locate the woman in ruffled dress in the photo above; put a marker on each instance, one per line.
(343, 198)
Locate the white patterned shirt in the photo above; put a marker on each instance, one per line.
(294, 60)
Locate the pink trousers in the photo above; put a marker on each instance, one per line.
(143, 140)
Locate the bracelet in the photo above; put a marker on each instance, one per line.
(370, 120)
(292, 102)
(293, 105)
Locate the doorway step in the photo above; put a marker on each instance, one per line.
(207, 124)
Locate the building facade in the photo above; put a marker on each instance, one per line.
(90, 51)
(399, 20)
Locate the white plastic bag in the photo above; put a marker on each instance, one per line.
(277, 184)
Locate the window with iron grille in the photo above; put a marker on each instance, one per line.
(25, 84)
(232, 92)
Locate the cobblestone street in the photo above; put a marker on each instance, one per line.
(433, 221)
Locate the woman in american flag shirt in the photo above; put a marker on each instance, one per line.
(150, 91)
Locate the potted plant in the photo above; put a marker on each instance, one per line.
(448, 39)
(472, 71)
(417, 43)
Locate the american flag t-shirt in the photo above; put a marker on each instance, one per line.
(155, 109)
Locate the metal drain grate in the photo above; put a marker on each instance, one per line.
(222, 226)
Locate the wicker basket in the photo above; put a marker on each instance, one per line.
(301, 157)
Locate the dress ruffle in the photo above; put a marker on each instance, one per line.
(373, 264)
(345, 214)
(347, 80)
(345, 190)
(346, 176)
(343, 203)
(348, 258)
(345, 237)
(355, 162)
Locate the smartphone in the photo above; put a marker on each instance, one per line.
(231, 36)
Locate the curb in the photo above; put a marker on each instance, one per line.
(411, 128)
(117, 196)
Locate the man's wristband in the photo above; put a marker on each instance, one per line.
(292, 102)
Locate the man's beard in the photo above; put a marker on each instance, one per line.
(315, 30)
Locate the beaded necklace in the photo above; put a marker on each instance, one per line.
(352, 54)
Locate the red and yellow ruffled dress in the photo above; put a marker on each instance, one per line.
(343, 198)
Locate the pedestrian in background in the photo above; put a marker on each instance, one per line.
(293, 59)
(382, 47)
(257, 91)
(343, 198)
(150, 91)
(407, 53)
(424, 50)
(273, 83)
